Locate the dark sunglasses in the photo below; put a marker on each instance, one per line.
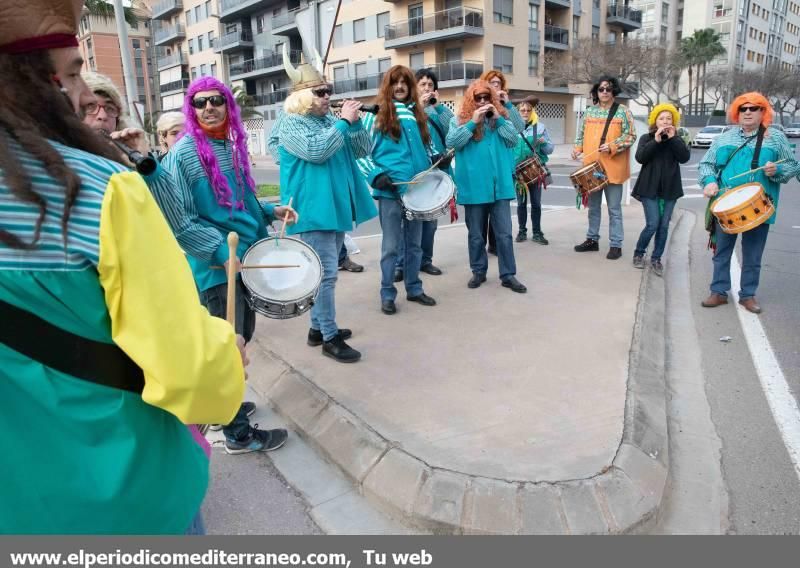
(215, 100)
(483, 97)
(750, 108)
(605, 90)
(322, 91)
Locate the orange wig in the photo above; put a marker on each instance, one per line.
(469, 105)
(491, 74)
(754, 99)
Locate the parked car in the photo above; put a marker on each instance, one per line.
(793, 130)
(685, 135)
(706, 136)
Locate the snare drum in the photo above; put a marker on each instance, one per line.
(429, 199)
(589, 179)
(743, 208)
(282, 293)
(530, 171)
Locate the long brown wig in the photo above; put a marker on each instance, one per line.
(33, 111)
(386, 120)
(469, 105)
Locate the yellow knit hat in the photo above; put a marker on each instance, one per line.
(676, 116)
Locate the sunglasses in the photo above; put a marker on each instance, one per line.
(605, 90)
(322, 91)
(483, 97)
(112, 111)
(215, 100)
(750, 108)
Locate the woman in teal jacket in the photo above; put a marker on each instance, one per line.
(483, 137)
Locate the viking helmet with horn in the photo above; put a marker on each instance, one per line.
(305, 75)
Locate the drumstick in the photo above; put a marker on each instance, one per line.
(418, 178)
(233, 242)
(286, 217)
(756, 169)
(245, 267)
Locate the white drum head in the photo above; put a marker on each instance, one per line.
(282, 284)
(734, 198)
(435, 189)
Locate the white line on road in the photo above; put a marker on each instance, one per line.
(779, 396)
(795, 226)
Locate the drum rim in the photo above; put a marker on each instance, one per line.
(452, 187)
(315, 291)
(735, 190)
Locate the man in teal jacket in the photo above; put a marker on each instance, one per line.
(319, 173)
(483, 136)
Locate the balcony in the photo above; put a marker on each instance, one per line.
(556, 38)
(173, 86)
(267, 65)
(457, 73)
(272, 98)
(177, 58)
(534, 40)
(455, 23)
(557, 3)
(166, 8)
(625, 17)
(366, 86)
(234, 41)
(233, 10)
(285, 23)
(169, 34)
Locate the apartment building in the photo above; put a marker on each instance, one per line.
(99, 45)
(460, 39)
(185, 33)
(661, 21)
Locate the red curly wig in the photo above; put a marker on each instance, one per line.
(491, 74)
(469, 105)
(754, 99)
(386, 120)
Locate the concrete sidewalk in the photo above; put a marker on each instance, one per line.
(492, 412)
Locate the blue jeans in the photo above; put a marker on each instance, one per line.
(216, 300)
(536, 209)
(428, 233)
(499, 215)
(396, 230)
(342, 253)
(655, 224)
(327, 244)
(753, 243)
(614, 200)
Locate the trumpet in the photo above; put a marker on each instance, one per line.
(366, 108)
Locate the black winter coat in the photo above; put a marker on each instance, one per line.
(660, 175)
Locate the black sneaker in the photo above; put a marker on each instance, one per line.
(248, 407)
(257, 441)
(423, 299)
(587, 246)
(476, 280)
(538, 237)
(522, 236)
(614, 253)
(638, 261)
(515, 285)
(337, 349)
(315, 336)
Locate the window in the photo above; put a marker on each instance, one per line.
(338, 76)
(136, 44)
(384, 65)
(503, 59)
(260, 24)
(361, 76)
(595, 33)
(208, 8)
(210, 40)
(533, 63)
(194, 73)
(504, 11)
(664, 12)
(576, 28)
(189, 19)
(533, 16)
(197, 14)
(337, 36)
(359, 30)
(415, 19)
(416, 60)
(191, 46)
(200, 43)
(203, 70)
(383, 21)
(213, 69)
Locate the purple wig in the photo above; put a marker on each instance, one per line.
(236, 133)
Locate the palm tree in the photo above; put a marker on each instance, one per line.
(245, 103)
(697, 51)
(688, 54)
(105, 10)
(710, 48)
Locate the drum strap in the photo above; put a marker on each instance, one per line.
(93, 361)
(535, 130)
(757, 151)
(611, 112)
(438, 130)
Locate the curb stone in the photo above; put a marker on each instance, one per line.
(623, 498)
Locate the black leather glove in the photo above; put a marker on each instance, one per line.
(384, 182)
(445, 163)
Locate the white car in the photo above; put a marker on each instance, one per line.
(793, 130)
(706, 136)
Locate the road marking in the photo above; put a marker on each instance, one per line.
(795, 226)
(779, 396)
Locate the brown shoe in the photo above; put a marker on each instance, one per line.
(714, 300)
(751, 305)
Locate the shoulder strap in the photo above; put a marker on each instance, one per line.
(611, 112)
(525, 139)
(757, 151)
(438, 130)
(745, 143)
(93, 361)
